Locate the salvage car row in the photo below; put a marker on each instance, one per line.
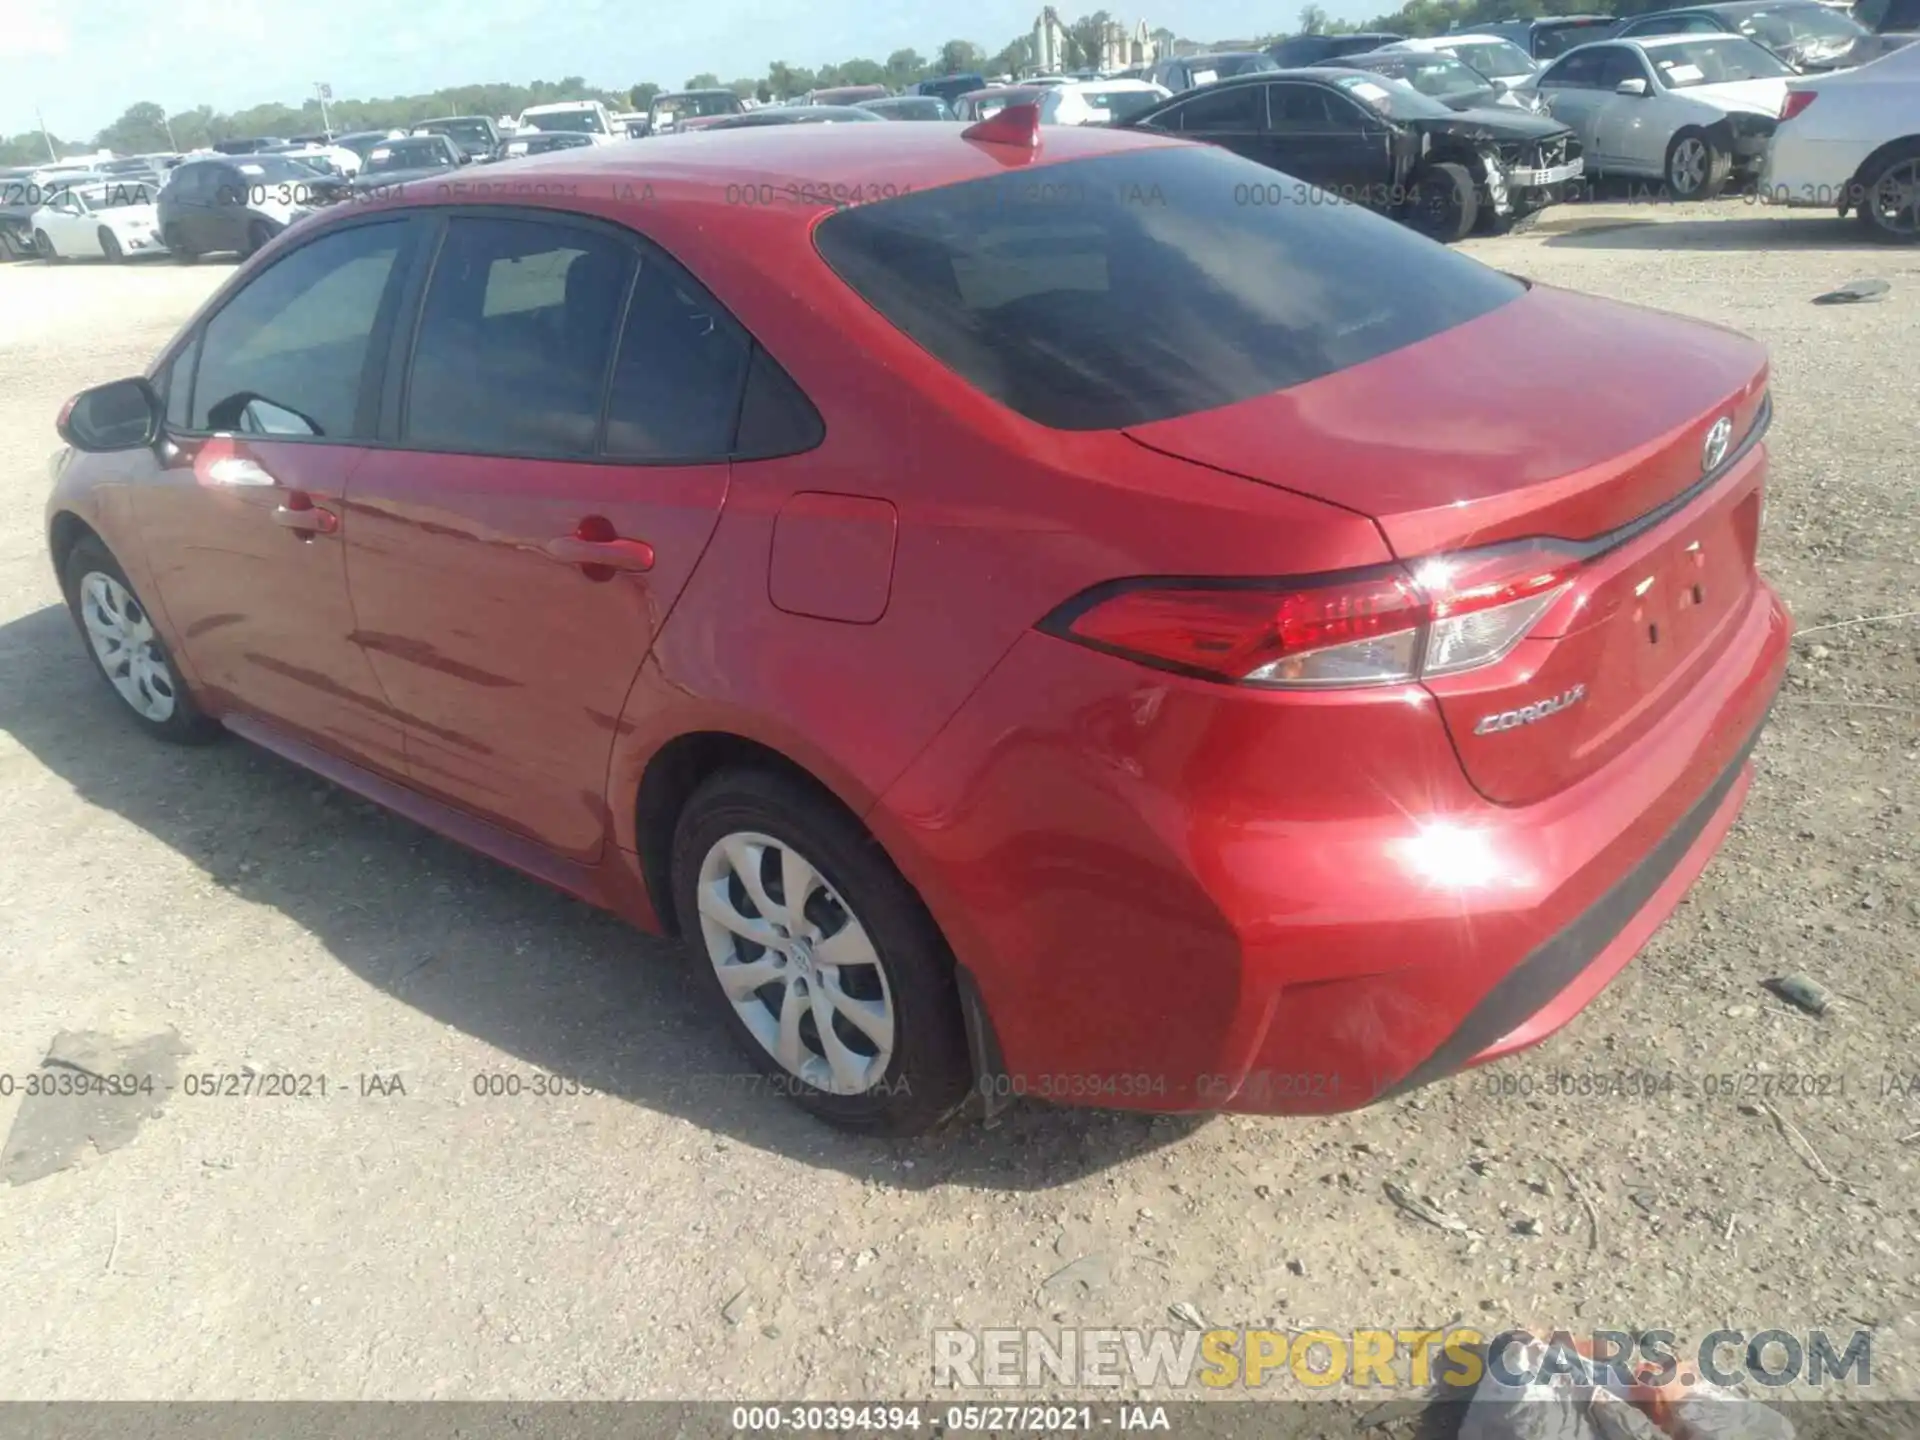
(1452, 135)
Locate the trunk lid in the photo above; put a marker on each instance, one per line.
(1754, 97)
(1558, 416)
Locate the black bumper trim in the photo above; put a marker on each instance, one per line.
(1531, 984)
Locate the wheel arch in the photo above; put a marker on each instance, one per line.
(1856, 186)
(672, 774)
(64, 531)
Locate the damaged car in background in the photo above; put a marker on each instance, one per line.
(1451, 81)
(1693, 111)
(1380, 143)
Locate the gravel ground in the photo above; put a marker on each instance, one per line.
(663, 1237)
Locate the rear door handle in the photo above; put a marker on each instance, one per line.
(305, 518)
(613, 554)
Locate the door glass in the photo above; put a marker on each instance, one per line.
(515, 338)
(676, 388)
(1299, 108)
(1576, 72)
(176, 386)
(1235, 110)
(286, 355)
(1616, 65)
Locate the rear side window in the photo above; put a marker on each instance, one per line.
(676, 388)
(515, 338)
(1156, 293)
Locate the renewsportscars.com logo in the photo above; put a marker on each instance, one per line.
(1400, 1358)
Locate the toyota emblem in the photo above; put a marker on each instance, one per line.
(1715, 450)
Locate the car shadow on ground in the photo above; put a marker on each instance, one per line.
(561, 988)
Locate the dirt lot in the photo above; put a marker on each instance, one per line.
(665, 1238)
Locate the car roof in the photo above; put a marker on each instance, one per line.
(1033, 90)
(685, 94)
(1660, 42)
(696, 171)
(1115, 84)
(560, 105)
(1226, 55)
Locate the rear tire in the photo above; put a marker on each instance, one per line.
(259, 235)
(1445, 204)
(857, 945)
(1890, 177)
(1696, 169)
(110, 246)
(127, 649)
(43, 247)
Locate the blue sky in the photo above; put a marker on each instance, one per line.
(83, 62)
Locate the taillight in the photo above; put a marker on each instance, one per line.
(1451, 613)
(1796, 102)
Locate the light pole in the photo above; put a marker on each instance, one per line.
(325, 92)
(44, 135)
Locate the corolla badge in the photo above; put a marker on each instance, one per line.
(1715, 450)
(1527, 714)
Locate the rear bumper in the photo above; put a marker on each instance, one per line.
(1175, 897)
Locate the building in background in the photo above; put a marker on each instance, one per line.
(1115, 47)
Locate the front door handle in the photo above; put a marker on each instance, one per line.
(305, 518)
(594, 545)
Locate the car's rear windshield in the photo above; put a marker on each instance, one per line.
(587, 121)
(1129, 288)
(1715, 60)
(465, 132)
(1556, 38)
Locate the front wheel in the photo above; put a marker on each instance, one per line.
(1889, 190)
(829, 971)
(1697, 169)
(1445, 203)
(259, 233)
(43, 246)
(110, 246)
(128, 651)
(177, 246)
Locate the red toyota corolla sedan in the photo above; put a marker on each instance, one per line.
(1030, 622)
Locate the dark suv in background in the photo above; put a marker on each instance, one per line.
(1550, 38)
(1297, 51)
(476, 135)
(1190, 71)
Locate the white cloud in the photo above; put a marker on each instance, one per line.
(34, 31)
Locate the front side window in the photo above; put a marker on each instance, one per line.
(1576, 72)
(1618, 63)
(287, 355)
(1120, 310)
(1236, 110)
(514, 338)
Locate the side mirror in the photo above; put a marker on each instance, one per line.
(466, 158)
(1631, 87)
(122, 415)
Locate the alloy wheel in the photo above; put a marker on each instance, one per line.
(796, 963)
(1687, 171)
(123, 640)
(1895, 198)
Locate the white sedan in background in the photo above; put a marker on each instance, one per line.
(1851, 141)
(1494, 56)
(1689, 110)
(1098, 102)
(115, 220)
